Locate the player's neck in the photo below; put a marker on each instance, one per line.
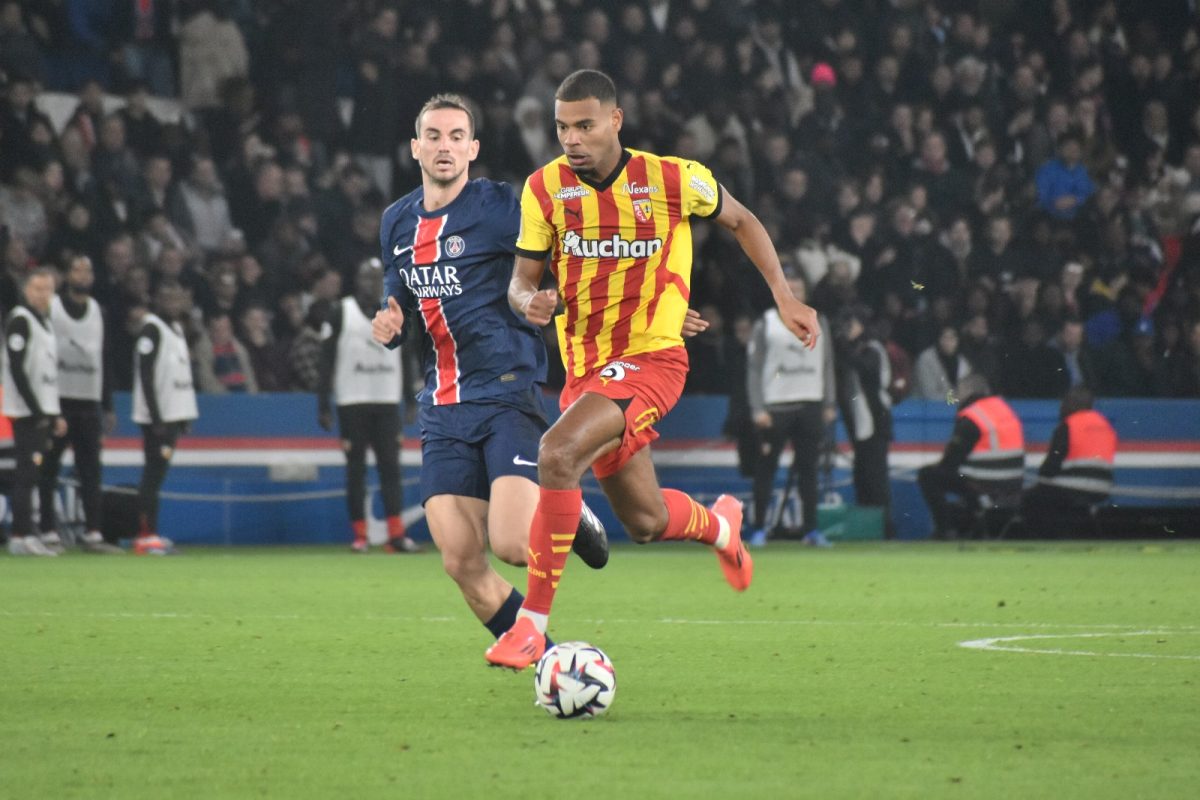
(604, 171)
(604, 174)
(439, 195)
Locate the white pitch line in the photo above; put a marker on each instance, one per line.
(999, 644)
(1113, 627)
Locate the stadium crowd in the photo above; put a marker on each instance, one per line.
(1010, 187)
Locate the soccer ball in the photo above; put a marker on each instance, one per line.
(574, 679)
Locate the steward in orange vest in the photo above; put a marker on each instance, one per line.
(982, 465)
(1078, 470)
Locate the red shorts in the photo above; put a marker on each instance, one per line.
(652, 382)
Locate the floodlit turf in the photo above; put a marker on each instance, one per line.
(840, 674)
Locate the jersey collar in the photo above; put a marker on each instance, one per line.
(612, 176)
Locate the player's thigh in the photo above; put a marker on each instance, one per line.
(458, 526)
(590, 427)
(510, 515)
(636, 498)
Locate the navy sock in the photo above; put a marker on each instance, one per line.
(506, 615)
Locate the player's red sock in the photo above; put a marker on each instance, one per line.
(550, 537)
(395, 527)
(359, 526)
(687, 519)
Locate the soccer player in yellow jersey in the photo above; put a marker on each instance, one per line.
(614, 224)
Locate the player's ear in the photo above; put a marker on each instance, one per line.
(618, 117)
(473, 149)
(415, 147)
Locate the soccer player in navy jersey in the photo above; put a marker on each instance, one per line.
(448, 251)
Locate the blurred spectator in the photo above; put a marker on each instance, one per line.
(863, 378)
(980, 348)
(143, 131)
(1127, 364)
(304, 355)
(1030, 367)
(203, 210)
(144, 28)
(156, 193)
(1077, 357)
(268, 362)
(19, 116)
(940, 367)
(375, 123)
(19, 50)
(212, 51)
(114, 163)
(22, 213)
(1063, 183)
(222, 363)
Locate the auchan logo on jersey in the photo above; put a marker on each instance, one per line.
(613, 247)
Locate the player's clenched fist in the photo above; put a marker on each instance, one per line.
(801, 320)
(387, 322)
(541, 306)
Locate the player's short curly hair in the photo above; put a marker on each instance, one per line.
(583, 84)
(447, 100)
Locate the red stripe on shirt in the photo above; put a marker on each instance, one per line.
(445, 351)
(596, 291)
(672, 186)
(635, 276)
(427, 247)
(568, 282)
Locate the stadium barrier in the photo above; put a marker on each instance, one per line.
(257, 469)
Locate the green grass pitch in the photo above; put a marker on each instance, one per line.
(299, 673)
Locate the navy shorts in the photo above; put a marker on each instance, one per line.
(466, 446)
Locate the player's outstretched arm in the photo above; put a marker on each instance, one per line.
(523, 295)
(800, 319)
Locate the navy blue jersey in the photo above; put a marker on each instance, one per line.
(449, 270)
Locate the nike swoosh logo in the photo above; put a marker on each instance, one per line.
(523, 463)
(397, 250)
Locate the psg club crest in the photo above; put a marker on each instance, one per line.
(643, 210)
(455, 246)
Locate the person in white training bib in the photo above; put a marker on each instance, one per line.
(31, 402)
(365, 379)
(164, 405)
(86, 402)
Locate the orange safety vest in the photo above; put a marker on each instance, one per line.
(6, 431)
(999, 455)
(1091, 448)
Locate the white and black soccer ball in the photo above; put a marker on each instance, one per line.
(574, 679)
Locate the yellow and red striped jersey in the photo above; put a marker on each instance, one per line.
(621, 251)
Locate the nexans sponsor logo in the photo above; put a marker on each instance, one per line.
(613, 247)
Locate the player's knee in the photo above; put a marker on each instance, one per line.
(557, 466)
(644, 527)
(461, 567)
(512, 553)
